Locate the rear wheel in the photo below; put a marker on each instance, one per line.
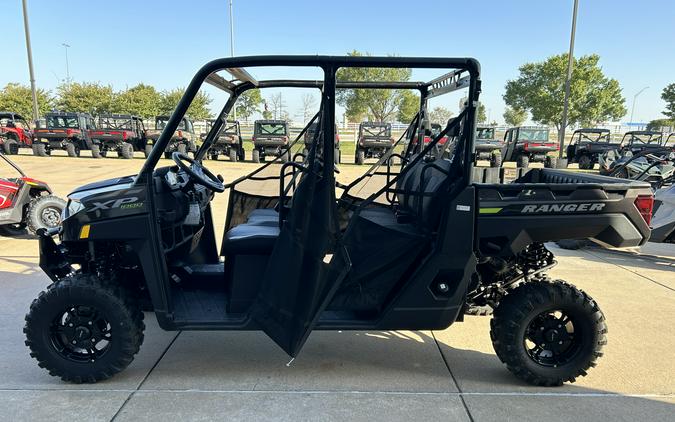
(551, 162)
(233, 155)
(585, 162)
(495, 159)
(71, 150)
(523, 161)
(256, 156)
(84, 330)
(44, 212)
(39, 150)
(360, 157)
(548, 332)
(126, 151)
(147, 150)
(96, 151)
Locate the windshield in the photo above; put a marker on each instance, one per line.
(160, 123)
(62, 122)
(115, 123)
(485, 133)
(271, 129)
(533, 135)
(377, 130)
(6, 122)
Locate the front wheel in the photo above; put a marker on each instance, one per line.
(233, 155)
(39, 150)
(10, 146)
(523, 161)
(256, 156)
(96, 151)
(71, 150)
(495, 160)
(360, 157)
(147, 150)
(84, 330)
(126, 151)
(585, 162)
(551, 162)
(548, 332)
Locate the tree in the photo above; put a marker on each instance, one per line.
(278, 105)
(540, 89)
(308, 107)
(378, 104)
(668, 95)
(198, 110)
(440, 115)
(85, 97)
(248, 103)
(141, 100)
(408, 107)
(658, 124)
(481, 117)
(18, 99)
(514, 116)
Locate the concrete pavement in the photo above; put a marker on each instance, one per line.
(449, 375)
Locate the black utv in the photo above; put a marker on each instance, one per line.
(488, 147)
(432, 237)
(120, 133)
(182, 140)
(66, 131)
(309, 137)
(270, 138)
(637, 141)
(529, 144)
(373, 140)
(228, 143)
(588, 145)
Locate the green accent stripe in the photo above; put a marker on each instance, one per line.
(490, 210)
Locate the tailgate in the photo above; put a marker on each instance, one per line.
(546, 205)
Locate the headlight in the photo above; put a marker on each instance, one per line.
(72, 208)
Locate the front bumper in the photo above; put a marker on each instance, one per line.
(53, 258)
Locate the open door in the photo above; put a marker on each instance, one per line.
(307, 262)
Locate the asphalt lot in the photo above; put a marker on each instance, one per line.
(446, 375)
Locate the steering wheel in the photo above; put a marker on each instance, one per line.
(198, 173)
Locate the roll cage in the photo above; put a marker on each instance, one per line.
(590, 135)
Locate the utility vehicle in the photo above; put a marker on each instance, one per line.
(26, 202)
(587, 145)
(669, 142)
(182, 140)
(14, 133)
(228, 143)
(270, 138)
(309, 136)
(637, 141)
(373, 140)
(122, 133)
(404, 247)
(64, 130)
(529, 144)
(655, 166)
(663, 222)
(488, 147)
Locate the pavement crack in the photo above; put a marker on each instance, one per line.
(140, 384)
(459, 389)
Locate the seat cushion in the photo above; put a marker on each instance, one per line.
(263, 216)
(250, 239)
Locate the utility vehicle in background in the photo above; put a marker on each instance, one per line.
(270, 139)
(26, 202)
(526, 145)
(15, 133)
(404, 247)
(637, 141)
(655, 166)
(228, 143)
(65, 131)
(182, 140)
(121, 133)
(587, 145)
(488, 147)
(309, 136)
(373, 140)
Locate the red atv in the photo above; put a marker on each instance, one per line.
(14, 132)
(26, 202)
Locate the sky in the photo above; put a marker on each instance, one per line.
(163, 43)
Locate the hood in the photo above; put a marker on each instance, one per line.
(102, 186)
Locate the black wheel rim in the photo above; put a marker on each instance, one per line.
(553, 338)
(81, 334)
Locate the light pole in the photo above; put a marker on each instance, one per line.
(632, 109)
(570, 63)
(29, 51)
(66, 46)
